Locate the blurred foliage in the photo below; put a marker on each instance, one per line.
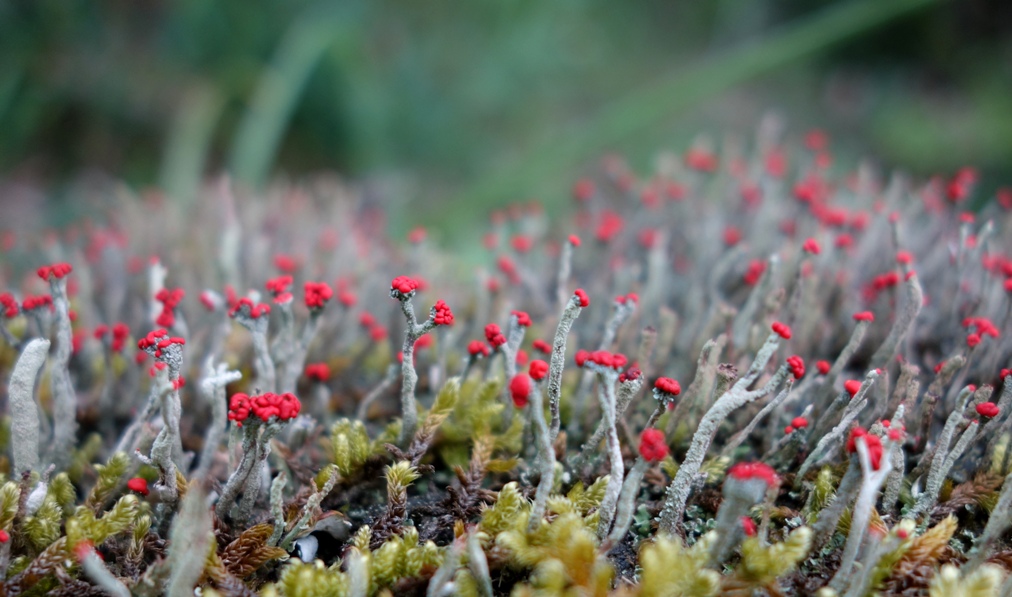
(159, 91)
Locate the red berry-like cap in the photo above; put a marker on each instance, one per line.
(443, 314)
(864, 316)
(138, 485)
(477, 348)
(56, 270)
(574, 240)
(317, 294)
(782, 329)
(538, 369)
(417, 235)
(745, 471)
(988, 409)
(542, 346)
(9, 305)
(811, 246)
(279, 286)
(904, 258)
(286, 263)
(653, 448)
(318, 372)
(732, 236)
(521, 357)
(972, 340)
(583, 190)
(581, 357)
(256, 310)
(852, 386)
(788, 430)
(631, 374)
(872, 441)
(755, 270)
(668, 386)
(822, 367)
(4, 536)
(494, 335)
(748, 526)
(402, 286)
(582, 296)
(523, 319)
(520, 389)
(799, 422)
(797, 366)
(37, 302)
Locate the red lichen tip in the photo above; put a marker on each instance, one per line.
(255, 310)
(55, 270)
(822, 367)
(797, 366)
(631, 374)
(799, 422)
(748, 526)
(988, 409)
(538, 369)
(417, 235)
(520, 389)
(732, 236)
(84, 549)
(4, 536)
(9, 305)
(279, 285)
(402, 287)
(755, 270)
(138, 485)
(811, 246)
(574, 240)
(581, 357)
(319, 372)
(523, 319)
(972, 340)
(37, 302)
(668, 386)
(494, 335)
(477, 348)
(441, 313)
(580, 294)
(852, 386)
(317, 294)
(265, 407)
(788, 430)
(583, 190)
(745, 471)
(864, 316)
(904, 258)
(873, 442)
(542, 346)
(653, 448)
(782, 329)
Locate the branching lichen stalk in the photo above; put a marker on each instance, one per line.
(678, 491)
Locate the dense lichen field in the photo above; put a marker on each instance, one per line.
(743, 373)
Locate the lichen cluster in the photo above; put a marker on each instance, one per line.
(798, 388)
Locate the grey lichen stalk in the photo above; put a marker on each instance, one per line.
(739, 395)
(64, 397)
(558, 360)
(24, 410)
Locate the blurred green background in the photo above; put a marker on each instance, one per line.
(473, 104)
